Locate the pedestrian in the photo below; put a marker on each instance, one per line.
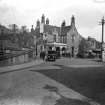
(43, 55)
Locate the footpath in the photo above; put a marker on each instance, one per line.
(21, 66)
(77, 62)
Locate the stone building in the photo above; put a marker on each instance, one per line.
(64, 34)
(93, 45)
(3, 38)
(70, 36)
(46, 33)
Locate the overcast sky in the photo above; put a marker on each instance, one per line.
(88, 13)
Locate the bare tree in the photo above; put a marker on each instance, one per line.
(24, 29)
(82, 48)
(13, 27)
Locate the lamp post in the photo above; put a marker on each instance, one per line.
(102, 22)
(73, 39)
(36, 48)
(35, 43)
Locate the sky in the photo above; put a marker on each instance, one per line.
(88, 13)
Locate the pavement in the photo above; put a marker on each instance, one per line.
(77, 62)
(21, 66)
(70, 62)
(25, 87)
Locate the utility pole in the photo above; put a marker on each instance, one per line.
(36, 48)
(102, 22)
(1, 43)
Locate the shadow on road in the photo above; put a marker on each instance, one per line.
(87, 81)
(64, 100)
(15, 70)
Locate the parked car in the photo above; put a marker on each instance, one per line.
(51, 56)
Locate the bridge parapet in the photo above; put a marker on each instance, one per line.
(17, 58)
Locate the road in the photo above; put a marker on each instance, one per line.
(66, 81)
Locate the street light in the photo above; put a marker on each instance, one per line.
(73, 39)
(35, 43)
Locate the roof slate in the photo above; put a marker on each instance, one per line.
(50, 29)
(37, 32)
(64, 30)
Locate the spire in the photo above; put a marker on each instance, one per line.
(32, 29)
(47, 21)
(72, 20)
(38, 23)
(43, 19)
(63, 23)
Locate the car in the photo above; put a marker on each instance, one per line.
(51, 56)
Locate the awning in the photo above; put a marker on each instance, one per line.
(57, 44)
(97, 50)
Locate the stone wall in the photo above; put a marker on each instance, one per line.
(11, 59)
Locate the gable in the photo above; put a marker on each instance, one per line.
(64, 30)
(51, 29)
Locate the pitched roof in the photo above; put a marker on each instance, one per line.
(64, 30)
(4, 29)
(37, 32)
(50, 29)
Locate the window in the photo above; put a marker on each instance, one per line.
(73, 38)
(54, 38)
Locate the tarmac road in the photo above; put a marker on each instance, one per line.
(66, 81)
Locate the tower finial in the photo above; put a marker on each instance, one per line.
(63, 23)
(43, 19)
(38, 23)
(47, 21)
(73, 20)
(32, 29)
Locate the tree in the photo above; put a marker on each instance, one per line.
(13, 27)
(82, 48)
(63, 23)
(24, 29)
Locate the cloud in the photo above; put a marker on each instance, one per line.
(92, 32)
(87, 19)
(3, 10)
(85, 16)
(5, 13)
(26, 12)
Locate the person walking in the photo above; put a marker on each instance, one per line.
(43, 55)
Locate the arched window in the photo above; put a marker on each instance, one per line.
(54, 38)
